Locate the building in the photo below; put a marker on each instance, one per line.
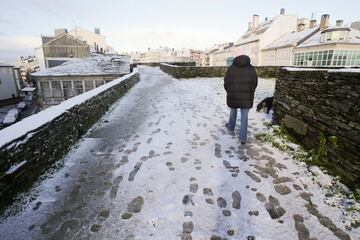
(281, 51)
(9, 81)
(95, 40)
(355, 25)
(27, 65)
(192, 54)
(260, 35)
(63, 47)
(221, 55)
(337, 46)
(162, 54)
(78, 76)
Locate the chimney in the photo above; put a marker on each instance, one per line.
(255, 22)
(97, 31)
(249, 26)
(282, 11)
(300, 27)
(339, 23)
(60, 31)
(324, 21)
(312, 23)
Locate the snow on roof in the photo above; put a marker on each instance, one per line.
(353, 38)
(253, 35)
(292, 39)
(295, 69)
(343, 70)
(94, 64)
(35, 121)
(28, 89)
(2, 64)
(349, 70)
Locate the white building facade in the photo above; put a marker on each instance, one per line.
(281, 51)
(337, 46)
(95, 40)
(260, 35)
(9, 81)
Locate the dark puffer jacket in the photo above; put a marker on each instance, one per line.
(240, 83)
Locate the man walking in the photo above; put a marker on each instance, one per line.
(240, 83)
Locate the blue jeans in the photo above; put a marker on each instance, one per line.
(243, 123)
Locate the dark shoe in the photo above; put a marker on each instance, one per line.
(227, 127)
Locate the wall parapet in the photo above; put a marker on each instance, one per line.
(212, 71)
(323, 106)
(43, 138)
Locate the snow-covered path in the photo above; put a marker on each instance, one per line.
(161, 166)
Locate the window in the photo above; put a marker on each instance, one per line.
(45, 89)
(98, 83)
(89, 85)
(78, 87)
(56, 89)
(67, 89)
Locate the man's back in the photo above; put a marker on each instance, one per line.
(240, 83)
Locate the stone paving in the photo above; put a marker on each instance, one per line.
(160, 165)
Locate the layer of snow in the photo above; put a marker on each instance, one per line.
(14, 168)
(3, 64)
(169, 65)
(37, 120)
(28, 89)
(292, 39)
(159, 122)
(353, 38)
(294, 69)
(344, 70)
(351, 70)
(94, 64)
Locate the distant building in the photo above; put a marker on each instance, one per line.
(78, 76)
(59, 49)
(9, 81)
(192, 54)
(337, 46)
(27, 65)
(355, 25)
(95, 40)
(220, 56)
(281, 51)
(260, 35)
(162, 54)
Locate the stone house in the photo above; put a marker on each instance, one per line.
(63, 47)
(78, 76)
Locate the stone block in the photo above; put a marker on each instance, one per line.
(296, 125)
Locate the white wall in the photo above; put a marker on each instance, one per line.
(278, 57)
(284, 24)
(40, 56)
(7, 85)
(89, 37)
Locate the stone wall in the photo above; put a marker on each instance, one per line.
(323, 106)
(216, 71)
(157, 64)
(44, 145)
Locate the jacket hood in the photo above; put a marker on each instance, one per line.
(241, 61)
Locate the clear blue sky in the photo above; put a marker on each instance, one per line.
(137, 24)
